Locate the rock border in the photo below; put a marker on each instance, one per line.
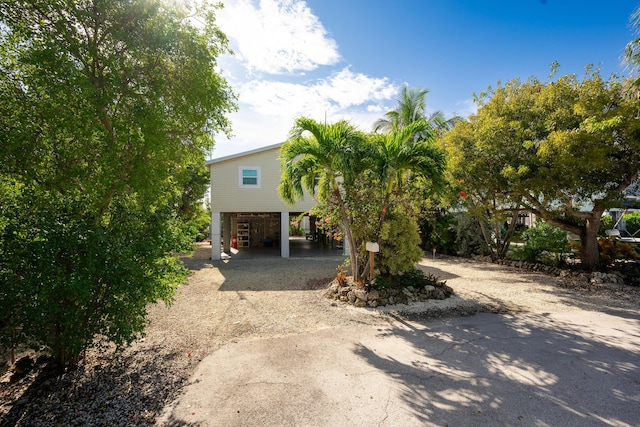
(360, 297)
(593, 278)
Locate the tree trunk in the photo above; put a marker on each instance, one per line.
(383, 214)
(589, 253)
(589, 250)
(346, 221)
(506, 241)
(487, 239)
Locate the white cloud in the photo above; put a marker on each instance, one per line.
(284, 37)
(269, 108)
(465, 108)
(340, 91)
(277, 37)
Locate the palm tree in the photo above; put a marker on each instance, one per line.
(411, 108)
(398, 156)
(323, 159)
(632, 50)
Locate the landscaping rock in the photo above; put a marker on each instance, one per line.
(360, 297)
(361, 294)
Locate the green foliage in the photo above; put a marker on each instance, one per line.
(633, 222)
(438, 231)
(361, 179)
(323, 159)
(552, 148)
(399, 250)
(380, 283)
(201, 222)
(106, 109)
(469, 240)
(606, 223)
(543, 243)
(410, 277)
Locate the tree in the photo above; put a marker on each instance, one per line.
(325, 160)
(357, 178)
(106, 109)
(399, 160)
(411, 108)
(564, 150)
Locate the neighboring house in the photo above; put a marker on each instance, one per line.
(246, 210)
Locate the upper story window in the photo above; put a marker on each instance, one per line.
(249, 176)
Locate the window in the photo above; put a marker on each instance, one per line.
(249, 177)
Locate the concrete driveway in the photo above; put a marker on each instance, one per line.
(577, 368)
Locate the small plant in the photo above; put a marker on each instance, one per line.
(380, 283)
(432, 279)
(612, 250)
(341, 277)
(414, 277)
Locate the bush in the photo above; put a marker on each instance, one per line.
(606, 223)
(71, 282)
(415, 277)
(540, 240)
(612, 250)
(412, 277)
(399, 250)
(633, 222)
(439, 233)
(469, 238)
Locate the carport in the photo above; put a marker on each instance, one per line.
(248, 217)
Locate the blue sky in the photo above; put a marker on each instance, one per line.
(348, 59)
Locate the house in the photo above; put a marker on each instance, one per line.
(246, 210)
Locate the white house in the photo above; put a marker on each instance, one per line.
(246, 210)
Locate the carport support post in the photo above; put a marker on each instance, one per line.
(215, 236)
(284, 234)
(226, 233)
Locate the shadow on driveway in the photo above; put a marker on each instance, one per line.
(571, 369)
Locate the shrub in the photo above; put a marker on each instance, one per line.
(439, 233)
(606, 223)
(399, 250)
(413, 277)
(612, 250)
(633, 222)
(469, 238)
(541, 239)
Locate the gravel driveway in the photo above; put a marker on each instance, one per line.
(231, 301)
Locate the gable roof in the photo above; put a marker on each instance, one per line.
(208, 163)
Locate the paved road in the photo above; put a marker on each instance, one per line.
(576, 368)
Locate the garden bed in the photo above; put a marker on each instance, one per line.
(359, 296)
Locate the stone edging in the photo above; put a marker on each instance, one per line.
(359, 297)
(596, 277)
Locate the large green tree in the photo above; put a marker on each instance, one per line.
(564, 150)
(364, 180)
(325, 160)
(106, 109)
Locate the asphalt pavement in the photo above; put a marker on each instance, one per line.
(577, 368)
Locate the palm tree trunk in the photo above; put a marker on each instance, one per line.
(383, 214)
(346, 221)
